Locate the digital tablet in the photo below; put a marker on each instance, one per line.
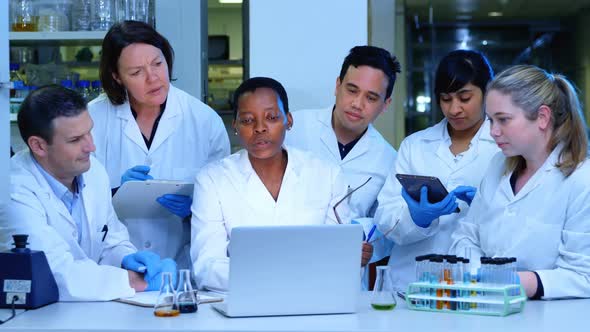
(412, 183)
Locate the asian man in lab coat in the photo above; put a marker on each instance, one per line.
(60, 197)
(343, 133)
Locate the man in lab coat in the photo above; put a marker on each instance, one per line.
(61, 198)
(344, 134)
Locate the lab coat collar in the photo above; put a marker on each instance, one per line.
(166, 126)
(170, 119)
(247, 170)
(538, 177)
(252, 182)
(553, 158)
(44, 189)
(439, 132)
(328, 137)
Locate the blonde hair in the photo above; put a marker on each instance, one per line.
(531, 87)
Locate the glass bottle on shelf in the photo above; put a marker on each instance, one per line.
(54, 15)
(96, 89)
(187, 298)
(84, 89)
(67, 84)
(103, 15)
(383, 296)
(166, 304)
(15, 78)
(81, 14)
(23, 15)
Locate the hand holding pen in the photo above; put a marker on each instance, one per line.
(367, 252)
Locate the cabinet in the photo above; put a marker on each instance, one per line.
(60, 56)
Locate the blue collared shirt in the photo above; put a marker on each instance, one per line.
(72, 200)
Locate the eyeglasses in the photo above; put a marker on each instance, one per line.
(346, 196)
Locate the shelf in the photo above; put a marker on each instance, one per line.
(225, 62)
(59, 36)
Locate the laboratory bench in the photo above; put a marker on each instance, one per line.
(563, 315)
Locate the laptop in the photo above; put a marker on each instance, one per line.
(293, 270)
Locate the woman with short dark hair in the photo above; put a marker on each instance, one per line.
(145, 128)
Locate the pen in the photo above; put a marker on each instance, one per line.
(105, 229)
(371, 232)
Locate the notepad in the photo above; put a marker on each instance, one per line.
(137, 199)
(148, 299)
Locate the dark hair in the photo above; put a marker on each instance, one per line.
(251, 84)
(459, 68)
(375, 57)
(119, 36)
(36, 113)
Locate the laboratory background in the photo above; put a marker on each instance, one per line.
(218, 44)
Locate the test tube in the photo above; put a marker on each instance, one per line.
(452, 265)
(439, 277)
(466, 281)
(473, 278)
(419, 272)
(513, 274)
(433, 276)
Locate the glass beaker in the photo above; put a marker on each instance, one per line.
(383, 297)
(103, 14)
(187, 297)
(166, 305)
(23, 15)
(136, 10)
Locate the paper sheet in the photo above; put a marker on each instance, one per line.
(148, 299)
(137, 199)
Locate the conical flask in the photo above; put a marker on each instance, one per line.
(383, 297)
(166, 305)
(187, 297)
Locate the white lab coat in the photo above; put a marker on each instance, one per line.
(427, 153)
(93, 274)
(372, 156)
(233, 195)
(546, 226)
(189, 135)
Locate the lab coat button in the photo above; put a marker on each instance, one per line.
(147, 244)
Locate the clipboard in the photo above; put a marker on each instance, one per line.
(137, 199)
(148, 299)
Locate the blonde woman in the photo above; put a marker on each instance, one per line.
(534, 201)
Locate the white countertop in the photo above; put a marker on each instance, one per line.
(565, 315)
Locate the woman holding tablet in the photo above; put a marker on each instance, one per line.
(456, 150)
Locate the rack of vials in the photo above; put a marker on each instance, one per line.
(445, 284)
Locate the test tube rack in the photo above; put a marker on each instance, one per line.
(470, 299)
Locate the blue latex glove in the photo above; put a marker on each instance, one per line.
(155, 282)
(424, 212)
(137, 173)
(465, 193)
(179, 205)
(143, 262)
